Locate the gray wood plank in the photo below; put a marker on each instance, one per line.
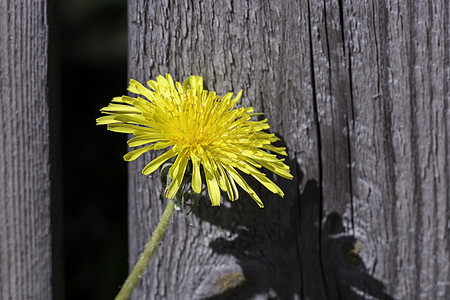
(27, 251)
(359, 93)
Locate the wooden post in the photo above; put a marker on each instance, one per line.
(359, 92)
(30, 261)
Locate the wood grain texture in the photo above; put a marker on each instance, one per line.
(25, 153)
(359, 93)
(400, 71)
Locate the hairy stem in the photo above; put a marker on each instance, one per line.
(134, 277)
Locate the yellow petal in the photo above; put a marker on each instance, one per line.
(132, 155)
(154, 164)
(120, 108)
(123, 128)
(117, 100)
(213, 187)
(243, 184)
(214, 168)
(235, 189)
(132, 118)
(226, 182)
(277, 167)
(176, 174)
(106, 120)
(196, 177)
(269, 184)
(125, 99)
(145, 139)
(236, 99)
(137, 88)
(162, 145)
(279, 150)
(170, 80)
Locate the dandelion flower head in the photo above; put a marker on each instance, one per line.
(196, 125)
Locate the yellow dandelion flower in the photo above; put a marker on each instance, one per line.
(196, 125)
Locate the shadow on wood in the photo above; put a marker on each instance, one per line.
(267, 264)
(260, 248)
(344, 264)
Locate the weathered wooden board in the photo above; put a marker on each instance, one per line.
(358, 90)
(398, 62)
(27, 157)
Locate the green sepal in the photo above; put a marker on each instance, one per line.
(164, 173)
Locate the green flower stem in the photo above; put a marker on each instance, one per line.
(133, 279)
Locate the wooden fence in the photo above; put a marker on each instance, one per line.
(30, 175)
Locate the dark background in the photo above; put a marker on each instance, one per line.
(93, 37)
